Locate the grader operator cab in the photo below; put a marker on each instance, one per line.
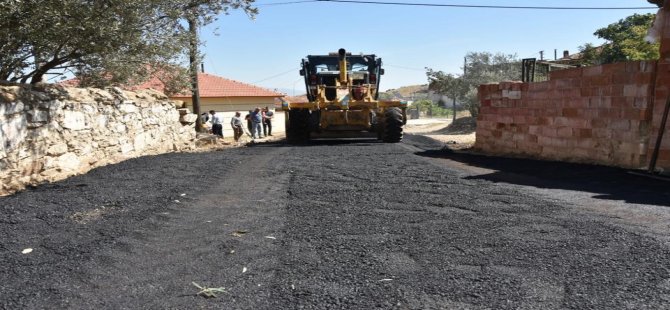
(342, 90)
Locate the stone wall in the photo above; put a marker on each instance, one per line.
(600, 114)
(49, 132)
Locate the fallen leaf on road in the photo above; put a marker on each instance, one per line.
(244, 269)
(208, 292)
(177, 201)
(240, 233)
(182, 195)
(26, 251)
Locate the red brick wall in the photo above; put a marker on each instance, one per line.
(599, 114)
(662, 92)
(607, 114)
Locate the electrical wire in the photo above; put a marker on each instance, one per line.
(405, 68)
(285, 3)
(276, 75)
(487, 6)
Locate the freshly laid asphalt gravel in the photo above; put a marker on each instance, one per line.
(352, 224)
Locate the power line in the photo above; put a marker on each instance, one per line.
(488, 6)
(276, 75)
(405, 68)
(285, 3)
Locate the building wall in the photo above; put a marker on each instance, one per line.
(609, 114)
(600, 114)
(662, 95)
(227, 106)
(231, 104)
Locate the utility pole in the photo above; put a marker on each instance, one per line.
(465, 65)
(193, 60)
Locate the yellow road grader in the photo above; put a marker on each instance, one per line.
(342, 90)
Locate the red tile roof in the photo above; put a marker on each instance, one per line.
(216, 86)
(210, 86)
(69, 83)
(301, 98)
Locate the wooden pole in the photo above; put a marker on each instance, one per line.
(193, 60)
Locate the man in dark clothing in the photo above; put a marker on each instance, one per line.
(248, 119)
(236, 123)
(217, 124)
(267, 121)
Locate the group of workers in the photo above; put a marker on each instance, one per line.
(256, 119)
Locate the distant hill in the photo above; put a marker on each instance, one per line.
(411, 92)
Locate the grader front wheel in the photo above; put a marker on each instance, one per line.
(392, 126)
(297, 126)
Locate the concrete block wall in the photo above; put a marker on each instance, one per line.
(599, 114)
(661, 95)
(610, 114)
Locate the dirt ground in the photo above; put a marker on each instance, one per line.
(460, 135)
(338, 224)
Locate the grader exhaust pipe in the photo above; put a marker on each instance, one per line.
(343, 66)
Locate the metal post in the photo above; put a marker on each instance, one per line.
(659, 139)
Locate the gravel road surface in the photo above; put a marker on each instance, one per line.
(338, 225)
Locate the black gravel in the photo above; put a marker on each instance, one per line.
(331, 225)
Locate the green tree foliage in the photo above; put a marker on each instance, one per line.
(431, 108)
(103, 42)
(481, 68)
(447, 84)
(624, 42)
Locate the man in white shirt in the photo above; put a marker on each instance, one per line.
(217, 124)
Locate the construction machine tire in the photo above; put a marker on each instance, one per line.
(379, 128)
(297, 126)
(392, 130)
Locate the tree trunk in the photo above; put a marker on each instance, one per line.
(453, 106)
(42, 69)
(193, 59)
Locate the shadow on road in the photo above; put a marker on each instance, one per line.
(319, 142)
(605, 182)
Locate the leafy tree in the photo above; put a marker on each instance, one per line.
(103, 42)
(625, 41)
(385, 95)
(659, 3)
(481, 68)
(431, 108)
(447, 84)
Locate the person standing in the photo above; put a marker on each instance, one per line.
(217, 124)
(256, 119)
(249, 125)
(236, 123)
(267, 121)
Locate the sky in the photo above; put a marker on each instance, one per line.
(267, 50)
